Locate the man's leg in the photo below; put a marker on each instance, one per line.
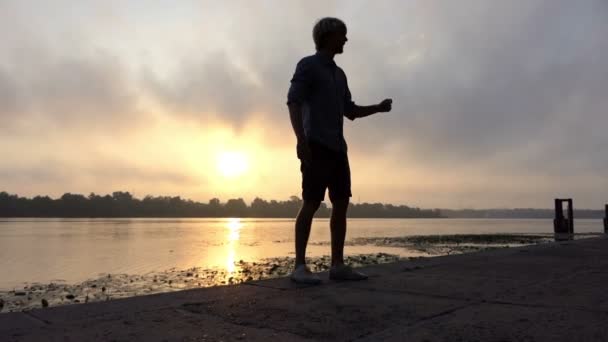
(303, 224)
(339, 271)
(338, 230)
(339, 194)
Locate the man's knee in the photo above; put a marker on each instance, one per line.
(309, 206)
(340, 205)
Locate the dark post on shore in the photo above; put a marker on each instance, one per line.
(563, 226)
(606, 219)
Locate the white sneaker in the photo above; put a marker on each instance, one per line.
(302, 275)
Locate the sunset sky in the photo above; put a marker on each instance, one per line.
(496, 103)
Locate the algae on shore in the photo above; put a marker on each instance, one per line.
(455, 239)
(113, 286)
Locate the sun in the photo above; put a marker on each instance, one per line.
(232, 164)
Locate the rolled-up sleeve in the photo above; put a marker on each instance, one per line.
(301, 83)
(349, 105)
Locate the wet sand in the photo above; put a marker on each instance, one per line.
(112, 286)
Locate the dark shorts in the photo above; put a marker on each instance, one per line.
(328, 170)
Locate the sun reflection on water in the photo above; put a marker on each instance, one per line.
(234, 226)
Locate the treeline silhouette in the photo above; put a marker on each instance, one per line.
(123, 204)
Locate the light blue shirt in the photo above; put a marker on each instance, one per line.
(321, 88)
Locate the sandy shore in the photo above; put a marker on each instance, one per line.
(112, 286)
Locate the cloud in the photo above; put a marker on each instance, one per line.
(211, 87)
(100, 176)
(510, 91)
(11, 103)
(76, 93)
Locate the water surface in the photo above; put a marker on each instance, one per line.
(73, 250)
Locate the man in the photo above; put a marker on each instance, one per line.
(318, 100)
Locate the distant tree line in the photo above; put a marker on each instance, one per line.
(123, 204)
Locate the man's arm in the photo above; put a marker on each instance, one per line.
(295, 114)
(363, 111)
(299, 92)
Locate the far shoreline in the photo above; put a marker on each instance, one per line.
(122, 204)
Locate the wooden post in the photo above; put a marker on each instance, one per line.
(570, 216)
(563, 226)
(558, 221)
(606, 220)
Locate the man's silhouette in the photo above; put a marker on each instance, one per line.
(318, 100)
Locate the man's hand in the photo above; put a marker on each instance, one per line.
(386, 105)
(304, 152)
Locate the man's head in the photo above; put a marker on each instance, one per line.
(329, 35)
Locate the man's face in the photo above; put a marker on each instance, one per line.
(336, 41)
